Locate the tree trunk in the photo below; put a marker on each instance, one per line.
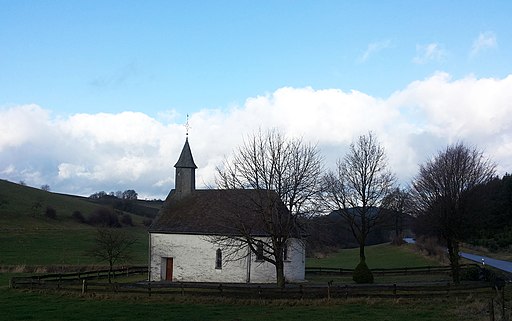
(453, 254)
(280, 273)
(110, 272)
(362, 257)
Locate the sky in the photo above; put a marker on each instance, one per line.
(94, 95)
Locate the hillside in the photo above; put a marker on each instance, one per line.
(30, 236)
(25, 207)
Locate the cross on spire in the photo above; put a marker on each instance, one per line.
(187, 126)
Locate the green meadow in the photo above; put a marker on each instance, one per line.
(28, 239)
(18, 305)
(382, 256)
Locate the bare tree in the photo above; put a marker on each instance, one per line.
(280, 171)
(359, 186)
(113, 246)
(442, 194)
(398, 205)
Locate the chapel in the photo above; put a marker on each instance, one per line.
(180, 238)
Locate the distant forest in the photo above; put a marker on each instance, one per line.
(488, 223)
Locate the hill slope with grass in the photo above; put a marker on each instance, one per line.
(40, 227)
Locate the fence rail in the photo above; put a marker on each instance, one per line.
(74, 277)
(271, 291)
(388, 271)
(90, 281)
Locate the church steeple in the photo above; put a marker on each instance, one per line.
(185, 172)
(186, 160)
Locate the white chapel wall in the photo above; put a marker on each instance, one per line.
(194, 261)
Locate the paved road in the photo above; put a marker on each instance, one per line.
(499, 264)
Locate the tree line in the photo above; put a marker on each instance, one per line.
(362, 191)
(129, 194)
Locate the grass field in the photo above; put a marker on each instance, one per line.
(17, 305)
(26, 305)
(377, 256)
(27, 238)
(59, 246)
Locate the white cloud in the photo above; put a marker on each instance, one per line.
(372, 49)
(428, 53)
(86, 153)
(23, 124)
(484, 41)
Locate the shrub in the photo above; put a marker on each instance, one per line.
(429, 246)
(362, 274)
(397, 240)
(78, 216)
(472, 273)
(126, 219)
(104, 217)
(50, 212)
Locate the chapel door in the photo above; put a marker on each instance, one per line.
(168, 269)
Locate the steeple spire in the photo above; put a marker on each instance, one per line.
(185, 180)
(186, 160)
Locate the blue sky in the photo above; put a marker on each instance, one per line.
(152, 56)
(62, 62)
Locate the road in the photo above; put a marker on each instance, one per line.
(484, 260)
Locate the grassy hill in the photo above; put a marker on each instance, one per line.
(29, 236)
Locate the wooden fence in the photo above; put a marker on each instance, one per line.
(271, 291)
(390, 271)
(93, 282)
(298, 291)
(75, 277)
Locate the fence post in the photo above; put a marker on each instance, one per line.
(503, 316)
(394, 289)
(329, 290)
(491, 309)
(346, 291)
(448, 289)
(149, 288)
(259, 292)
(84, 286)
(301, 292)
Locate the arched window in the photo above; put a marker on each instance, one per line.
(218, 259)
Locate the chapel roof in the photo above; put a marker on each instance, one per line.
(219, 212)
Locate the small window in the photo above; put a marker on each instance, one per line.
(218, 259)
(259, 251)
(285, 252)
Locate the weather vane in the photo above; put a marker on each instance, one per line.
(187, 126)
